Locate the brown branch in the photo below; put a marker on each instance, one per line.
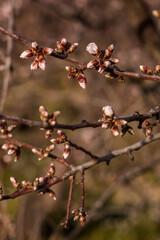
(107, 158)
(84, 65)
(83, 124)
(69, 202)
(28, 146)
(137, 75)
(98, 205)
(82, 191)
(83, 150)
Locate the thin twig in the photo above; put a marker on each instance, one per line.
(83, 124)
(82, 191)
(69, 201)
(84, 65)
(98, 205)
(83, 150)
(107, 158)
(28, 146)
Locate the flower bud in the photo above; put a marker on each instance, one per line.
(35, 45)
(92, 48)
(108, 111)
(47, 51)
(26, 54)
(72, 47)
(15, 183)
(157, 68)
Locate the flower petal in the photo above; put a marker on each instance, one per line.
(42, 63)
(26, 54)
(47, 51)
(115, 130)
(92, 48)
(108, 111)
(34, 65)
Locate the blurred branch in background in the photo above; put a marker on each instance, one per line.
(8, 69)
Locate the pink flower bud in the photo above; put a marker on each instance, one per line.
(34, 65)
(42, 62)
(108, 111)
(64, 41)
(26, 54)
(35, 45)
(92, 48)
(47, 51)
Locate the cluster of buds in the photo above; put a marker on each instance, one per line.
(156, 13)
(43, 153)
(75, 72)
(39, 183)
(27, 185)
(80, 215)
(65, 47)
(112, 122)
(48, 119)
(62, 140)
(12, 149)
(104, 60)
(39, 61)
(150, 71)
(5, 129)
(147, 128)
(42, 181)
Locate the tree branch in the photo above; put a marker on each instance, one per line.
(107, 158)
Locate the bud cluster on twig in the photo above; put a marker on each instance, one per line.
(48, 119)
(12, 149)
(111, 121)
(38, 52)
(62, 140)
(5, 129)
(150, 71)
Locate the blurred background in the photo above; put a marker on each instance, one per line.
(130, 207)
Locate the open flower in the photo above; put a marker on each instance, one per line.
(40, 61)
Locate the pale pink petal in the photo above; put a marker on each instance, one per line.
(26, 54)
(92, 48)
